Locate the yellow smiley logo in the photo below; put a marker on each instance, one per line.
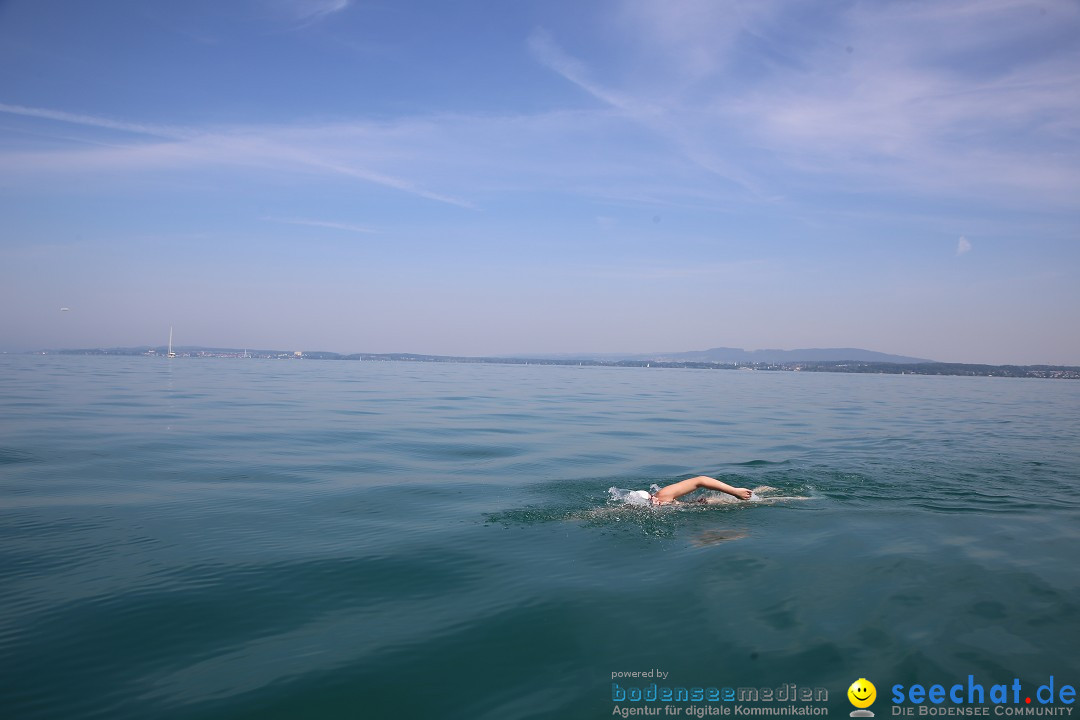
(862, 693)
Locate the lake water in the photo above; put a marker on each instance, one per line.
(321, 539)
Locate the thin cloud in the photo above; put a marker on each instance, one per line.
(94, 121)
(696, 40)
(644, 112)
(902, 111)
(388, 181)
(271, 147)
(311, 11)
(963, 245)
(321, 224)
(890, 99)
(545, 50)
(742, 272)
(898, 117)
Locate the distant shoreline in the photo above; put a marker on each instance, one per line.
(1061, 372)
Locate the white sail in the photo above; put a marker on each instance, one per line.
(171, 353)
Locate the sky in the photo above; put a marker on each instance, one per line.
(543, 176)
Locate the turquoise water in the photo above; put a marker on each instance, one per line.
(254, 538)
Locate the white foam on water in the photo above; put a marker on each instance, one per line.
(630, 497)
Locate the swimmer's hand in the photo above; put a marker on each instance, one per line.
(742, 493)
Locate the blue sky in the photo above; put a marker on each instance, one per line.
(524, 177)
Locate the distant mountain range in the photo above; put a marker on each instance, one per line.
(840, 360)
(721, 355)
(738, 355)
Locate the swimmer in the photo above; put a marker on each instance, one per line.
(670, 494)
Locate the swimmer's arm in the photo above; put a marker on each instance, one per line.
(714, 484)
(741, 493)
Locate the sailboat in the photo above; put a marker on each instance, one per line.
(171, 353)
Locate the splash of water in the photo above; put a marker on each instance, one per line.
(633, 497)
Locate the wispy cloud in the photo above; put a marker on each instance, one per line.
(742, 273)
(703, 106)
(479, 157)
(969, 99)
(963, 245)
(695, 40)
(94, 121)
(311, 11)
(383, 179)
(321, 224)
(641, 110)
(920, 105)
(545, 49)
(322, 149)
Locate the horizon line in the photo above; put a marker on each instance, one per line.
(567, 356)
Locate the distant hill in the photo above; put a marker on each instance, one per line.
(715, 355)
(837, 360)
(738, 355)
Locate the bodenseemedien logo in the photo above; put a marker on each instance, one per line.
(862, 694)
